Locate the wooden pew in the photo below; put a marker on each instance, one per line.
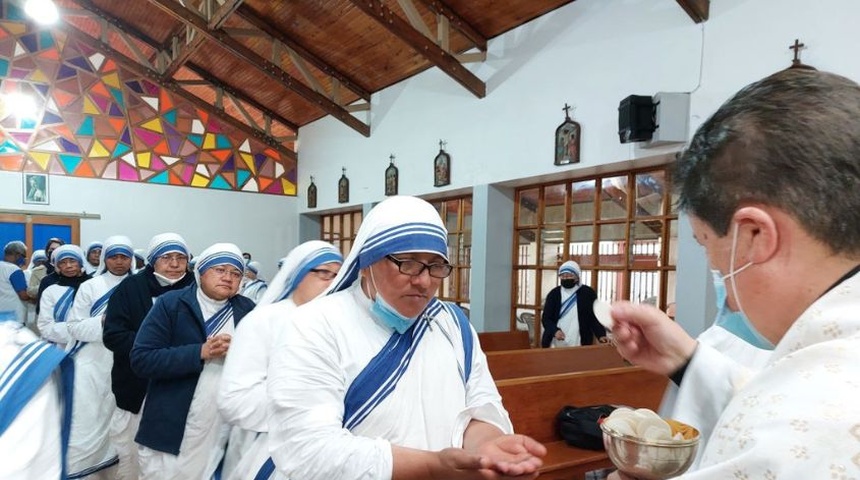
(547, 361)
(533, 403)
(495, 341)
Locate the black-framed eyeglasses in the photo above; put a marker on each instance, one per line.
(323, 273)
(414, 268)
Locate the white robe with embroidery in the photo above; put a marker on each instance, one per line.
(94, 404)
(243, 398)
(319, 353)
(30, 447)
(799, 417)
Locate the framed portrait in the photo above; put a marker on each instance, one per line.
(391, 179)
(567, 137)
(312, 194)
(36, 188)
(442, 169)
(343, 188)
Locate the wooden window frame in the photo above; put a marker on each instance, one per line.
(341, 239)
(461, 266)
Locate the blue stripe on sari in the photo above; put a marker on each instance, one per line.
(567, 304)
(219, 319)
(465, 336)
(100, 305)
(64, 304)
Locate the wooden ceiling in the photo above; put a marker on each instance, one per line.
(271, 66)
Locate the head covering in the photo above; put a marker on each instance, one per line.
(163, 244)
(254, 266)
(38, 255)
(115, 245)
(67, 251)
(93, 245)
(296, 266)
(281, 262)
(140, 253)
(570, 267)
(398, 224)
(218, 254)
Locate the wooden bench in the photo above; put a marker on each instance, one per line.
(547, 361)
(533, 403)
(495, 341)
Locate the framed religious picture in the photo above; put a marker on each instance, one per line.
(36, 188)
(312, 194)
(343, 188)
(442, 167)
(567, 137)
(391, 178)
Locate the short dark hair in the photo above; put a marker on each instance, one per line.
(15, 247)
(792, 141)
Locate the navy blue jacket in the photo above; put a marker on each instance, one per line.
(167, 352)
(129, 304)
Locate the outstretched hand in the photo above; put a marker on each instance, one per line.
(513, 456)
(645, 336)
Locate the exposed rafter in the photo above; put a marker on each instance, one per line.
(698, 10)
(173, 86)
(185, 43)
(123, 30)
(225, 41)
(422, 44)
(440, 8)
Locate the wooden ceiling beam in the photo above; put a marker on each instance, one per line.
(250, 16)
(184, 44)
(174, 87)
(208, 79)
(698, 10)
(275, 72)
(423, 45)
(461, 24)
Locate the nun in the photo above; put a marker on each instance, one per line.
(253, 285)
(57, 299)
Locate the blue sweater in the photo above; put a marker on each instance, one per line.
(167, 352)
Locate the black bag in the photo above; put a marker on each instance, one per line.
(580, 426)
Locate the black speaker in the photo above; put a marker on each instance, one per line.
(636, 119)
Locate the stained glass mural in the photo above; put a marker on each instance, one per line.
(97, 120)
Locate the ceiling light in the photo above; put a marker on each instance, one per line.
(21, 105)
(42, 11)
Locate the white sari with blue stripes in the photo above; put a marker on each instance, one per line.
(54, 308)
(333, 417)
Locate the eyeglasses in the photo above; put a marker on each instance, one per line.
(224, 271)
(414, 268)
(323, 273)
(173, 257)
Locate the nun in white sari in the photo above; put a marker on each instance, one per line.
(307, 271)
(379, 379)
(91, 453)
(253, 286)
(56, 302)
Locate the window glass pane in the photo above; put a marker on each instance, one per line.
(335, 223)
(549, 280)
(613, 198)
(454, 248)
(582, 201)
(528, 205)
(646, 244)
(554, 198)
(552, 245)
(447, 284)
(610, 285)
(452, 214)
(671, 282)
(611, 248)
(467, 214)
(466, 249)
(673, 242)
(587, 278)
(345, 247)
(650, 190)
(326, 224)
(347, 225)
(645, 287)
(356, 221)
(464, 283)
(526, 247)
(581, 245)
(526, 280)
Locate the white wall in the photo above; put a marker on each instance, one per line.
(265, 225)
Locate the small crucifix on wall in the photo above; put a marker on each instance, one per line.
(343, 188)
(312, 194)
(442, 167)
(567, 137)
(391, 178)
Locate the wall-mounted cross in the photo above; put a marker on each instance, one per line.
(567, 108)
(391, 157)
(442, 144)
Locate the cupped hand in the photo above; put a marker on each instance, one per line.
(514, 455)
(645, 336)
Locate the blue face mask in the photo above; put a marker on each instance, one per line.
(20, 261)
(388, 314)
(735, 322)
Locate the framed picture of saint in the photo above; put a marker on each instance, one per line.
(442, 167)
(36, 188)
(391, 179)
(567, 137)
(312, 194)
(343, 188)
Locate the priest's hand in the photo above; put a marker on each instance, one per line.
(215, 347)
(645, 336)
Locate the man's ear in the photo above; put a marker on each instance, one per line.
(758, 235)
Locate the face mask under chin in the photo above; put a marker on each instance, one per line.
(387, 314)
(166, 282)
